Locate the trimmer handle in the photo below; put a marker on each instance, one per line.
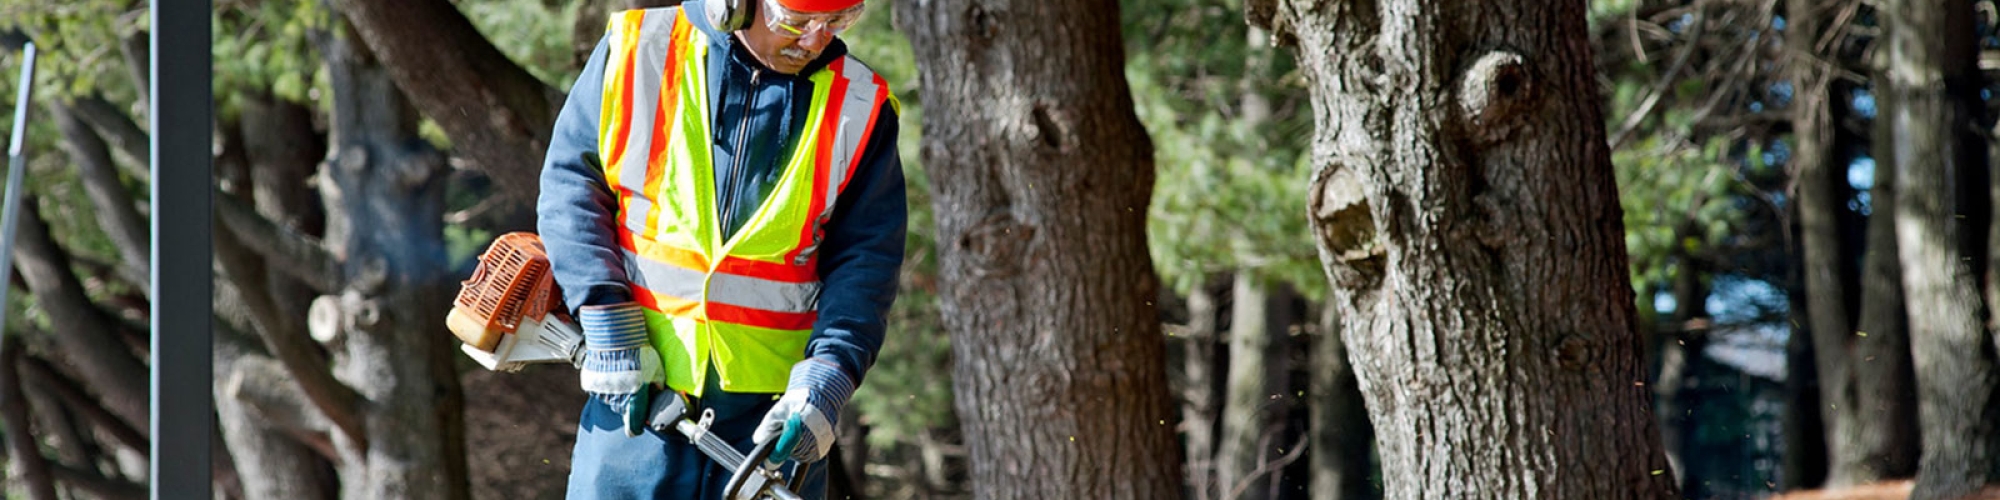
(761, 466)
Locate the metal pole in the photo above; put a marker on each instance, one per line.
(183, 402)
(10, 213)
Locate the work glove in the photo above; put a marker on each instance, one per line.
(620, 366)
(817, 390)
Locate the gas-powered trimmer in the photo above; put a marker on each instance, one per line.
(510, 315)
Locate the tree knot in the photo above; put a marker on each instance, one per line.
(1574, 352)
(1345, 226)
(997, 246)
(1493, 91)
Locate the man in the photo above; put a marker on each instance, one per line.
(723, 208)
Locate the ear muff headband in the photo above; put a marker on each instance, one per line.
(727, 15)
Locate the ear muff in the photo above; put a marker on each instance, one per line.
(727, 15)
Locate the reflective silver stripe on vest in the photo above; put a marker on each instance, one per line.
(857, 106)
(860, 103)
(723, 288)
(662, 278)
(655, 39)
(764, 294)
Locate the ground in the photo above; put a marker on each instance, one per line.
(1886, 490)
(519, 429)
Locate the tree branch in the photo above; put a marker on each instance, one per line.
(122, 131)
(14, 419)
(507, 134)
(297, 255)
(96, 484)
(1660, 86)
(1298, 448)
(44, 375)
(293, 348)
(259, 382)
(137, 50)
(13, 39)
(116, 214)
(61, 436)
(89, 337)
(276, 462)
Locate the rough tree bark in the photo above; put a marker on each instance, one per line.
(1042, 175)
(383, 187)
(1467, 217)
(1931, 66)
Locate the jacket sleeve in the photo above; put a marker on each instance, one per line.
(862, 255)
(576, 214)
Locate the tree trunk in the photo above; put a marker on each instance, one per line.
(117, 214)
(1805, 436)
(270, 463)
(1342, 440)
(54, 426)
(850, 471)
(1955, 359)
(496, 113)
(1829, 273)
(1862, 369)
(23, 448)
(383, 189)
(89, 336)
(1680, 346)
(1254, 407)
(1042, 175)
(1883, 402)
(1993, 248)
(1199, 411)
(1467, 217)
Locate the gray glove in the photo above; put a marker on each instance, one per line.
(817, 390)
(620, 365)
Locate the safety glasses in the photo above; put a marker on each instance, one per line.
(793, 24)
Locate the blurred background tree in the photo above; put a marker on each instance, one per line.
(1778, 335)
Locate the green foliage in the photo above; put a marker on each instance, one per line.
(1604, 9)
(79, 42)
(535, 35)
(268, 45)
(60, 69)
(1229, 137)
(1692, 190)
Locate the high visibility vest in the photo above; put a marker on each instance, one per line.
(745, 304)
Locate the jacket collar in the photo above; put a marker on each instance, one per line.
(727, 43)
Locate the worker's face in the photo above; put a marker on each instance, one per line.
(785, 40)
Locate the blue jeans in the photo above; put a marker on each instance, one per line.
(607, 464)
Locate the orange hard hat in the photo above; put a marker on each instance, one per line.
(818, 5)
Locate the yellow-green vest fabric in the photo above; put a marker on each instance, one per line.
(745, 304)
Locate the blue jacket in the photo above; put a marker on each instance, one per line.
(756, 113)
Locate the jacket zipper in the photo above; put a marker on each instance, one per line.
(742, 147)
